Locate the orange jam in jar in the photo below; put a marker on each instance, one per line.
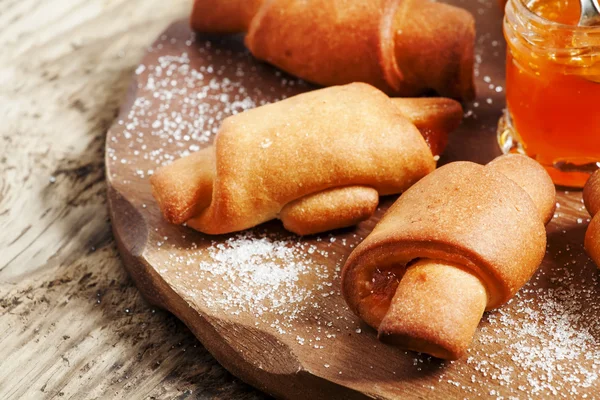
(552, 88)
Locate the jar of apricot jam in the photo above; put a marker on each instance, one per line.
(552, 88)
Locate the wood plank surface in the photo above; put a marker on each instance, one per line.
(72, 325)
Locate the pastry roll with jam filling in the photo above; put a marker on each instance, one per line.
(317, 161)
(462, 240)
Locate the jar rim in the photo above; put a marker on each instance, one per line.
(523, 9)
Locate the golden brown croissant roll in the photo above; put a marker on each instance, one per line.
(403, 47)
(591, 198)
(461, 240)
(318, 161)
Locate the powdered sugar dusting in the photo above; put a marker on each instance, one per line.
(545, 343)
(262, 275)
(180, 103)
(551, 335)
(273, 281)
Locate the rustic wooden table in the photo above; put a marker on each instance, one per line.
(72, 325)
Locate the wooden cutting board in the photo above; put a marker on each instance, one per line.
(267, 304)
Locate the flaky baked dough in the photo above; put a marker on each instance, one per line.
(318, 161)
(462, 240)
(403, 47)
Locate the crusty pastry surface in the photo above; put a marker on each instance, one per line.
(466, 238)
(275, 160)
(591, 198)
(403, 47)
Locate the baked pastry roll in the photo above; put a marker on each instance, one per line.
(462, 240)
(591, 198)
(403, 47)
(317, 161)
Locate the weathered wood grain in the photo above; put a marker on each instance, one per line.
(72, 325)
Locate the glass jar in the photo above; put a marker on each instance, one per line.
(552, 94)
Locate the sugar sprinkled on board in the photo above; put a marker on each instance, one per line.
(263, 275)
(547, 338)
(553, 335)
(180, 105)
(271, 279)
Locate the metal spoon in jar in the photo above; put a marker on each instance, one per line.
(590, 13)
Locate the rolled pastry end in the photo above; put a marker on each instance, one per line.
(436, 309)
(184, 188)
(591, 194)
(591, 198)
(223, 16)
(532, 178)
(331, 209)
(435, 117)
(592, 240)
(434, 46)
